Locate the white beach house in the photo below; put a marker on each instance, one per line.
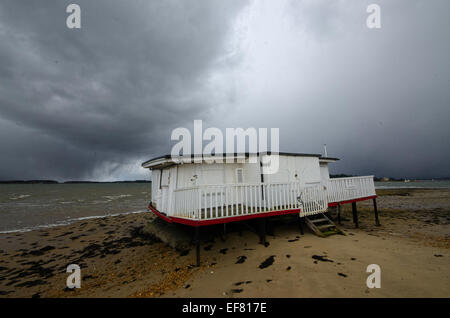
(205, 193)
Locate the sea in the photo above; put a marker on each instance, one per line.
(26, 207)
(421, 184)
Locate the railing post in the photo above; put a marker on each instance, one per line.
(217, 203)
(199, 213)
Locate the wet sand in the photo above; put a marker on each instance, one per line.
(117, 260)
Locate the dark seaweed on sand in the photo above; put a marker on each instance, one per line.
(269, 261)
(184, 252)
(136, 238)
(223, 251)
(321, 258)
(39, 251)
(241, 259)
(31, 283)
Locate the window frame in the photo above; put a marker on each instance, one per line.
(237, 175)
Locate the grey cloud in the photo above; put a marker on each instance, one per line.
(113, 88)
(93, 103)
(378, 98)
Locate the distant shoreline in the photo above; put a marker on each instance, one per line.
(149, 181)
(67, 182)
(423, 184)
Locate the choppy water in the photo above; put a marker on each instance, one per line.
(427, 184)
(26, 207)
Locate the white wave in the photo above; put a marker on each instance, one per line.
(114, 197)
(68, 222)
(20, 196)
(100, 201)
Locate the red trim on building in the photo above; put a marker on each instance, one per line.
(162, 216)
(241, 217)
(232, 218)
(173, 219)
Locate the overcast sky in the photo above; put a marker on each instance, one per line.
(95, 103)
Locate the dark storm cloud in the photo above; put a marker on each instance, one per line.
(93, 103)
(74, 100)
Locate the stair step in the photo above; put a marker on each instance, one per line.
(325, 226)
(325, 229)
(319, 220)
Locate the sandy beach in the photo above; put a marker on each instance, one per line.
(118, 260)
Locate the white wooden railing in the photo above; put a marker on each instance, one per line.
(229, 200)
(344, 189)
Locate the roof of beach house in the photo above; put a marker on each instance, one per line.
(167, 159)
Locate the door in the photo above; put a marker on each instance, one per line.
(165, 197)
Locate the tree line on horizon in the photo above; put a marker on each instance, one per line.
(67, 182)
(149, 181)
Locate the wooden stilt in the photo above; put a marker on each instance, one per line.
(272, 228)
(377, 221)
(224, 233)
(339, 213)
(251, 228)
(300, 225)
(355, 214)
(197, 244)
(262, 231)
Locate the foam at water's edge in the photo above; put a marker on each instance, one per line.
(67, 222)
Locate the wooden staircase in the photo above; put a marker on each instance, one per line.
(321, 225)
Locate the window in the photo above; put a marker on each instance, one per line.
(239, 175)
(165, 178)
